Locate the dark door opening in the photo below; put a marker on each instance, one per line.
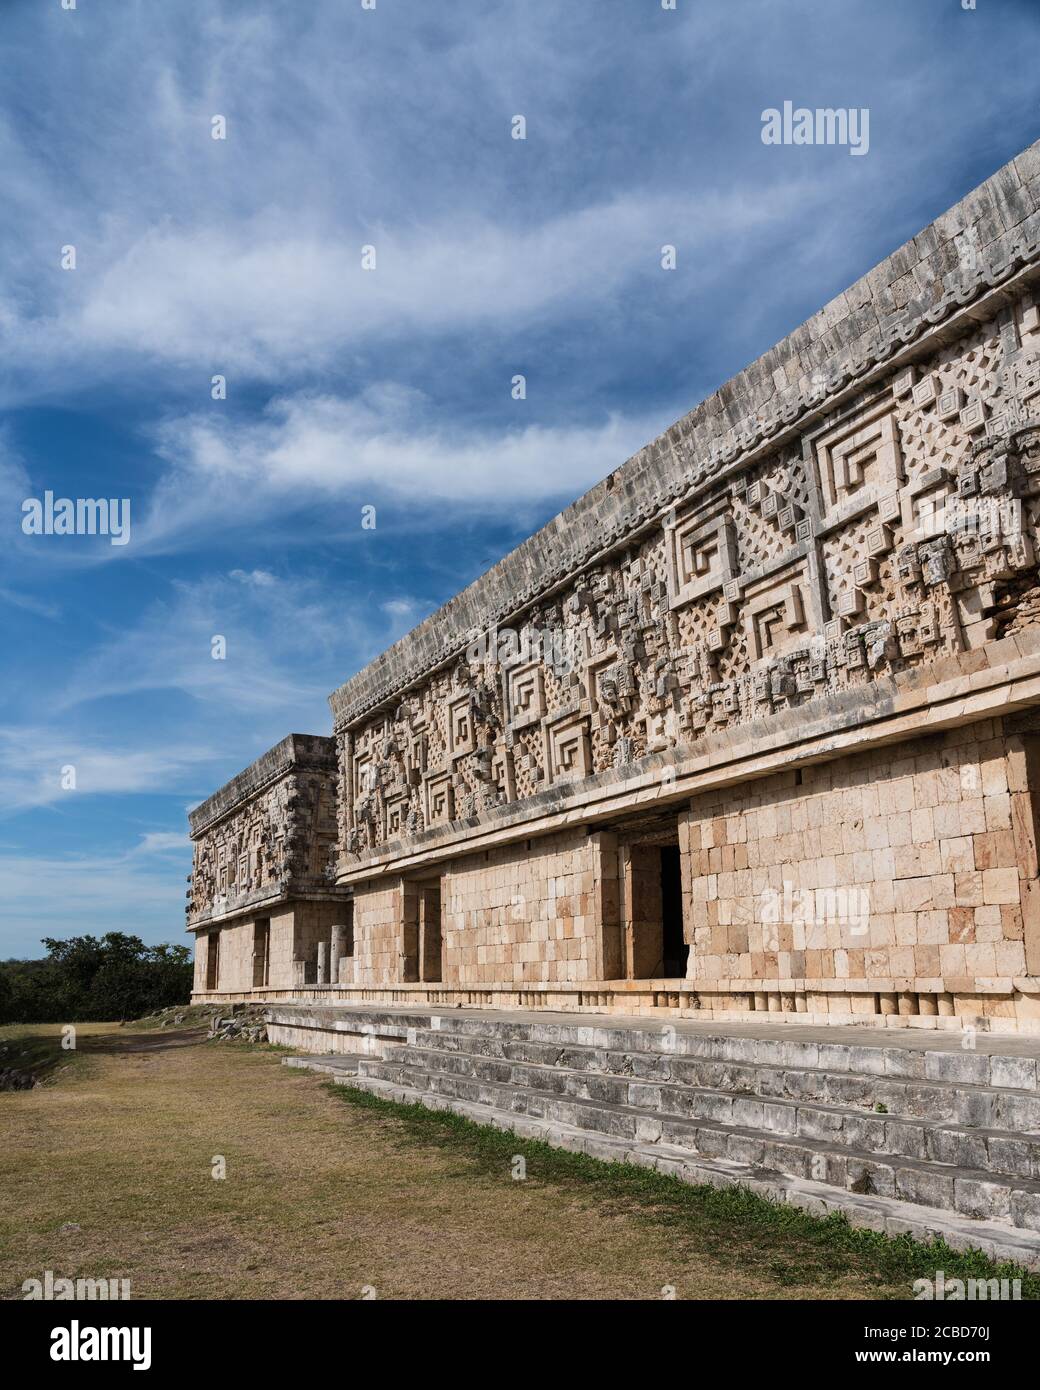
(212, 959)
(261, 951)
(431, 945)
(674, 948)
(655, 948)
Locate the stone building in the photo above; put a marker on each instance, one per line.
(748, 727)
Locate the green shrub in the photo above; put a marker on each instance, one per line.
(91, 979)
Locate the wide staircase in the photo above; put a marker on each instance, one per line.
(904, 1132)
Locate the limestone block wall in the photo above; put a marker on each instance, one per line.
(525, 912)
(283, 947)
(198, 985)
(378, 935)
(293, 933)
(913, 872)
(519, 914)
(235, 947)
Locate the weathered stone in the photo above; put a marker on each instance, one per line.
(926, 1177)
(745, 731)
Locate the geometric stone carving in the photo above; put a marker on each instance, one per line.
(502, 773)
(439, 798)
(925, 391)
(973, 417)
(949, 404)
(923, 507)
(461, 736)
(612, 693)
(774, 615)
(364, 776)
(702, 556)
(567, 747)
(677, 633)
(903, 384)
(396, 815)
(858, 463)
(849, 603)
(524, 694)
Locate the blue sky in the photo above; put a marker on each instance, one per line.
(386, 388)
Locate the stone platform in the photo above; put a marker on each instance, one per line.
(928, 1134)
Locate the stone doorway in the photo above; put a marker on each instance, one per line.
(674, 949)
(653, 941)
(212, 959)
(261, 952)
(431, 943)
(422, 942)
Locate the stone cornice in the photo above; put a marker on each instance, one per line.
(889, 316)
(295, 753)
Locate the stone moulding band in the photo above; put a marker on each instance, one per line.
(880, 1004)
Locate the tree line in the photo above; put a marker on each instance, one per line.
(91, 979)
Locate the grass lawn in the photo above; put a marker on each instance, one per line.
(329, 1192)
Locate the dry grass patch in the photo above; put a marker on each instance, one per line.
(324, 1198)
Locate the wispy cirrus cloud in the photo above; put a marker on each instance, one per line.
(264, 299)
(40, 766)
(284, 644)
(244, 255)
(386, 443)
(247, 644)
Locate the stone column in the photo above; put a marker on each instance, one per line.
(323, 962)
(335, 951)
(609, 947)
(408, 967)
(1023, 776)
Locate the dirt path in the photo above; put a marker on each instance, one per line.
(323, 1199)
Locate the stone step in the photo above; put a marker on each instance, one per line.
(958, 1102)
(989, 1148)
(335, 1063)
(960, 1065)
(971, 1192)
(895, 1217)
(929, 1056)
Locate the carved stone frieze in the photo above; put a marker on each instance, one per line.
(902, 529)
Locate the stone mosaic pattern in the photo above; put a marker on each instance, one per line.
(898, 530)
(269, 834)
(977, 247)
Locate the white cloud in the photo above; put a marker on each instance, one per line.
(257, 296)
(275, 635)
(399, 607)
(162, 842)
(34, 763)
(54, 895)
(288, 644)
(29, 603)
(387, 442)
